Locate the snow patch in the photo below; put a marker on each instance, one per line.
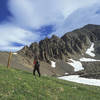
(66, 73)
(77, 79)
(14, 53)
(76, 64)
(90, 50)
(88, 60)
(53, 64)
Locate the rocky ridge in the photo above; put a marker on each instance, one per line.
(70, 45)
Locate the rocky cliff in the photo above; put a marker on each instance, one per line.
(70, 45)
(67, 51)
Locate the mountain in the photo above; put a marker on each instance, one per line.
(72, 44)
(76, 52)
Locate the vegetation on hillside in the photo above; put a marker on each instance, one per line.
(20, 85)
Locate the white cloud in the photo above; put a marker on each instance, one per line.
(10, 48)
(33, 14)
(79, 18)
(11, 33)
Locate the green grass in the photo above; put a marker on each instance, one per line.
(21, 85)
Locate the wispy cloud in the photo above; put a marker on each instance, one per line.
(36, 13)
(14, 34)
(28, 16)
(79, 18)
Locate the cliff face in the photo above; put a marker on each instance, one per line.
(71, 44)
(46, 49)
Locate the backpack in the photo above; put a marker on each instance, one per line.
(37, 64)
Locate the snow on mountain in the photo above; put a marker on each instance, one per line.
(53, 64)
(14, 53)
(76, 64)
(77, 79)
(66, 73)
(88, 60)
(91, 50)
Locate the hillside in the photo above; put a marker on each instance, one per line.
(66, 52)
(21, 85)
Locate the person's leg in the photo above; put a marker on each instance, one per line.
(34, 72)
(38, 70)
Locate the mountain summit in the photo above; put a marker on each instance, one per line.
(70, 45)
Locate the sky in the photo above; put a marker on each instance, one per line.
(25, 21)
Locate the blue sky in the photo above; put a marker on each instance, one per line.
(4, 12)
(25, 21)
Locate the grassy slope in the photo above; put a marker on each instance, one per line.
(20, 85)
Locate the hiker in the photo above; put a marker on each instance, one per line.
(36, 67)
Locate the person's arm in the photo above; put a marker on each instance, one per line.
(34, 62)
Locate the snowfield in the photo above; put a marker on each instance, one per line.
(14, 53)
(76, 64)
(88, 60)
(90, 50)
(77, 79)
(66, 73)
(53, 64)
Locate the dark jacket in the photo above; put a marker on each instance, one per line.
(37, 64)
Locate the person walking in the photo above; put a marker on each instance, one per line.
(36, 67)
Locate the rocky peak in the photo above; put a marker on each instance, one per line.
(55, 37)
(71, 44)
(24, 49)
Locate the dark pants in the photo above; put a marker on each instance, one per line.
(38, 70)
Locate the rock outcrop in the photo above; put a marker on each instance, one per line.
(70, 45)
